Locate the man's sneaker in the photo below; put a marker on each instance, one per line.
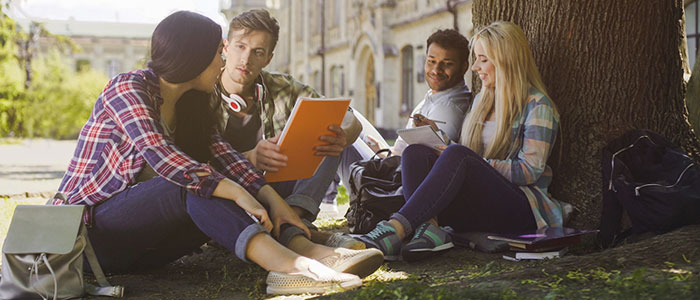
(359, 262)
(427, 241)
(315, 278)
(384, 238)
(341, 240)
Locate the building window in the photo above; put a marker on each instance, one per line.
(337, 6)
(113, 68)
(316, 79)
(337, 81)
(406, 80)
(299, 25)
(82, 65)
(691, 29)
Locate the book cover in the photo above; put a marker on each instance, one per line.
(424, 135)
(308, 120)
(541, 255)
(549, 237)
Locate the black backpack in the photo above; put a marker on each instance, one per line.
(653, 181)
(375, 192)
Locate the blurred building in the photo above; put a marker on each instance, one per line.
(109, 47)
(372, 51)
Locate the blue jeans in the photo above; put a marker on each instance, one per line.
(308, 193)
(156, 222)
(462, 190)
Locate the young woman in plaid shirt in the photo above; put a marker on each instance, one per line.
(160, 181)
(496, 179)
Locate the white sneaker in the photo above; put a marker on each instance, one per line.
(341, 240)
(359, 262)
(315, 279)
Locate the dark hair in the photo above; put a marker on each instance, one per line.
(256, 19)
(450, 39)
(194, 119)
(183, 45)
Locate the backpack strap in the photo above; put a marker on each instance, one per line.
(105, 288)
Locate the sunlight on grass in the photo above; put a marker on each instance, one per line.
(7, 208)
(384, 274)
(327, 224)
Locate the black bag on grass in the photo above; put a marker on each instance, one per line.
(375, 192)
(653, 181)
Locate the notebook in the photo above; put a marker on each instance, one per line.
(308, 120)
(424, 135)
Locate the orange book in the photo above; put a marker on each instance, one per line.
(308, 121)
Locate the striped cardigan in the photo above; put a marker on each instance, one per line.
(534, 133)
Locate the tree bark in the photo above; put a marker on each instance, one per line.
(610, 66)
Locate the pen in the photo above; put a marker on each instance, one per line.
(417, 118)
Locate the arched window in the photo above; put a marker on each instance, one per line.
(406, 80)
(691, 30)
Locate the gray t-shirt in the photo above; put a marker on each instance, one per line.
(449, 106)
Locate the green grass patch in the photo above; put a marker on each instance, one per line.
(599, 283)
(343, 197)
(328, 224)
(10, 141)
(7, 209)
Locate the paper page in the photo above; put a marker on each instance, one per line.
(424, 135)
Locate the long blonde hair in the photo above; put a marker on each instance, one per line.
(507, 48)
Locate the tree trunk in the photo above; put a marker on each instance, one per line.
(610, 66)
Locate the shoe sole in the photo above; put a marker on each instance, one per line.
(362, 266)
(419, 254)
(319, 289)
(442, 247)
(354, 245)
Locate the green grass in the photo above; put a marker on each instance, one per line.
(474, 282)
(343, 197)
(7, 209)
(11, 141)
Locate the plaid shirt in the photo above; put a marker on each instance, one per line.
(124, 133)
(526, 165)
(281, 93)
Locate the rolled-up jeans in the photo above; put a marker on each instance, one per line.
(156, 222)
(307, 194)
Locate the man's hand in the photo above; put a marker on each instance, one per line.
(336, 143)
(266, 156)
(280, 211)
(421, 120)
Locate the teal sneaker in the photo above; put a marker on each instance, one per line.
(384, 238)
(428, 240)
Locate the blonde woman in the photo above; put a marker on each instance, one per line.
(496, 178)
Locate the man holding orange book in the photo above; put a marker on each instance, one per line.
(256, 105)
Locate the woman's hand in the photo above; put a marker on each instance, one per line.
(280, 211)
(228, 189)
(254, 208)
(440, 148)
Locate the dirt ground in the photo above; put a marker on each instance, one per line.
(661, 267)
(217, 274)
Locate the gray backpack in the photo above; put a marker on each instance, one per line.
(43, 256)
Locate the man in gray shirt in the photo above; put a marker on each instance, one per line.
(444, 106)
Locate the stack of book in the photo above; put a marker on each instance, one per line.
(541, 244)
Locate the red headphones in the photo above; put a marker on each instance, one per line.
(237, 103)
